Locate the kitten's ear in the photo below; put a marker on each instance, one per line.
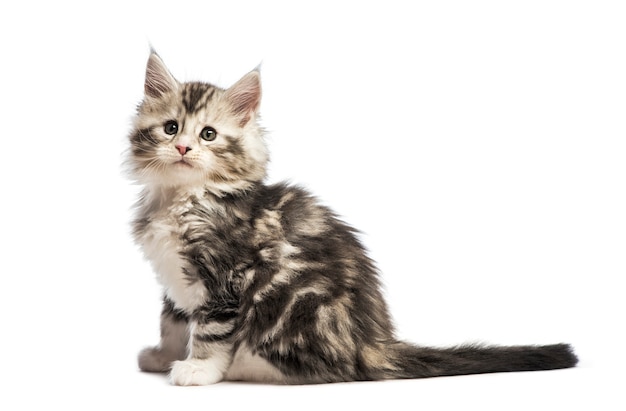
(244, 97)
(158, 78)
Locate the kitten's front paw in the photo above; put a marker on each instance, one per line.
(153, 359)
(195, 372)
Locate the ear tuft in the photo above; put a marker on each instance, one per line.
(158, 78)
(244, 96)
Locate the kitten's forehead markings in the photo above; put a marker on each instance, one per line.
(197, 96)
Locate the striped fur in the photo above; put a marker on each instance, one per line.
(260, 281)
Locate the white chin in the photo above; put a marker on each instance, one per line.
(181, 175)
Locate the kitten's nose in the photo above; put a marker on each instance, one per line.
(183, 149)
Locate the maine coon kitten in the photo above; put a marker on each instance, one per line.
(262, 283)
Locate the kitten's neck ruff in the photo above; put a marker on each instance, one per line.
(158, 196)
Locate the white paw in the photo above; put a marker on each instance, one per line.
(195, 372)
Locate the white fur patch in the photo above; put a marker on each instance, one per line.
(162, 246)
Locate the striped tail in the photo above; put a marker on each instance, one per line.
(408, 361)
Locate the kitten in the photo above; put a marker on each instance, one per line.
(261, 282)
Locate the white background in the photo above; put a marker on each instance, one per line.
(480, 146)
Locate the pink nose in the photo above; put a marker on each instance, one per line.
(183, 149)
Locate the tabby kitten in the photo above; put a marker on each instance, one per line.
(261, 282)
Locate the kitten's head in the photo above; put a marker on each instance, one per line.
(197, 134)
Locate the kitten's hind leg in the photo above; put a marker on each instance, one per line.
(173, 345)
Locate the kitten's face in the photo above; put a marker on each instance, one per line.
(196, 134)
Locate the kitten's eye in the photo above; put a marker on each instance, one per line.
(208, 134)
(171, 127)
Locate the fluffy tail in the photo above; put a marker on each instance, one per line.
(408, 361)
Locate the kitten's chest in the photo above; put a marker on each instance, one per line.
(162, 245)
